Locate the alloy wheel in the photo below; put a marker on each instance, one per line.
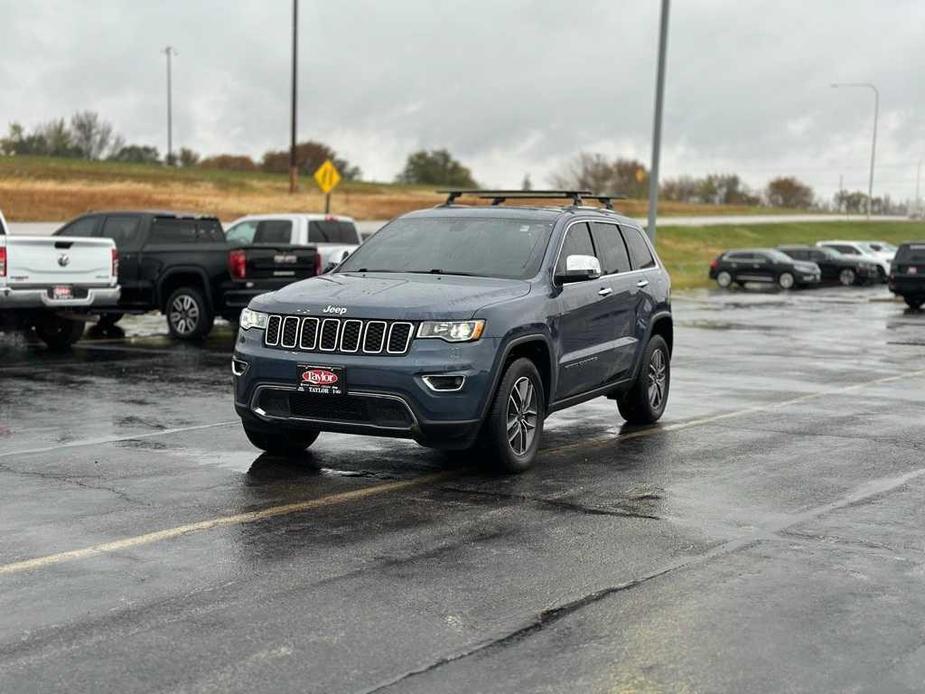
(658, 378)
(522, 415)
(846, 277)
(184, 314)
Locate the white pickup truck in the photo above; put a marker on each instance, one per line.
(335, 236)
(49, 283)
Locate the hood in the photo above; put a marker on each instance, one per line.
(390, 296)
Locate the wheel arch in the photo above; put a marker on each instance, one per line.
(182, 277)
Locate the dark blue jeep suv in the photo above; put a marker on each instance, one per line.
(463, 327)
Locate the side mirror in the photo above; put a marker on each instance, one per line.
(579, 268)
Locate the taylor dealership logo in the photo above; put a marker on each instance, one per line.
(319, 377)
(339, 310)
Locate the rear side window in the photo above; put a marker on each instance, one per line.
(332, 232)
(122, 230)
(847, 250)
(611, 250)
(165, 231)
(209, 230)
(738, 255)
(640, 254)
(577, 242)
(273, 231)
(83, 227)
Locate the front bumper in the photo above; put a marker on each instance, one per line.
(386, 395)
(39, 297)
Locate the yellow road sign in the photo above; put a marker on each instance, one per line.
(327, 176)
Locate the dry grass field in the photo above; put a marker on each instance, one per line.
(48, 189)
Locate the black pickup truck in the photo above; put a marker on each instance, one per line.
(182, 266)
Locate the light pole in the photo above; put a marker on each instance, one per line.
(657, 123)
(169, 52)
(873, 145)
(293, 165)
(918, 179)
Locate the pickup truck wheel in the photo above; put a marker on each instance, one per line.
(284, 443)
(512, 432)
(644, 402)
(108, 320)
(59, 333)
(189, 316)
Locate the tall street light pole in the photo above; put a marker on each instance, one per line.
(169, 52)
(657, 124)
(918, 179)
(873, 144)
(293, 166)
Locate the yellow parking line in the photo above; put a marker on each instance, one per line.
(220, 522)
(333, 499)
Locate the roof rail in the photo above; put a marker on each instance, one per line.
(499, 196)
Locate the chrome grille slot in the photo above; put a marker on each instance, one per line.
(350, 333)
(399, 337)
(290, 332)
(272, 336)
(330, 327)
(339, 335)
(309, 337)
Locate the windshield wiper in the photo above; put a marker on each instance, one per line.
(438, 271)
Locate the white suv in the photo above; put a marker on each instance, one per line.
(864, 250)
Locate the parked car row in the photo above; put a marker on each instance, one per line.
(846, 263)
(106, 264)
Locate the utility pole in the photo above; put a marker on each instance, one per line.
(657, 124)
(841, 190)
(918, 179)
(293, 165)
(873, 144)
(169, 52)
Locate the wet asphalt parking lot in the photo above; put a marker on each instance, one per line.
(767, 535)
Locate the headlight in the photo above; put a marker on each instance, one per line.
(451, 330)
(252, 319)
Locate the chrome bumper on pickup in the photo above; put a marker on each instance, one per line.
(37, 297)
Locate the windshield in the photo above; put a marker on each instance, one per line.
(507, 248)
(913, 253)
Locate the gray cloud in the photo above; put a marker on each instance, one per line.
(510, 86)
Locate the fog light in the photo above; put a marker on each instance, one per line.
(238, 367)
(445, 383)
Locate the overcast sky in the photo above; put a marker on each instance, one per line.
(508, 86)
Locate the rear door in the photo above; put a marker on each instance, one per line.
(585, 326)
(125, 231)
(622, 301)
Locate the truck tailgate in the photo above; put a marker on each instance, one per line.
(58, 260)
(280, 262)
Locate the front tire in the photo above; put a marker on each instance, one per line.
(189, 316)
(847, 277)
(514, 427)
(786, 280)
(645, 401)
(724, 279)
(284, 443)
(59, 333)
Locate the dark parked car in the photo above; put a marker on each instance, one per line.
(847, 270)
(907, 275)
(462, 326)
(182, 265)
(762, 265)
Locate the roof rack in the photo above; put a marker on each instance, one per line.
(499, 196)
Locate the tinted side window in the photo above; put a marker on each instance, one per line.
(611, 250)
(122, 230)
(332, 232)
(847, 250)
(577, 242)
(83, 227)
(209, 230)
(169, 231)
(797, 254)
(273, 231)
(638, 248)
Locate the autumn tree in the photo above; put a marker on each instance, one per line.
(788, 191)
(436, 167)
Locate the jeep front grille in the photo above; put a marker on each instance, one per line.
(339, 335)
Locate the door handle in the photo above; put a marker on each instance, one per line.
(604, 291)
(642, 283)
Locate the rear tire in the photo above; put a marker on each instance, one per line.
(724, 279)
(645, 401)
(847, 277)
(914, 302)
(284, 443)
(786, 280)
(189, 316)
(511, 434)
(59, 333)
(108, 320)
